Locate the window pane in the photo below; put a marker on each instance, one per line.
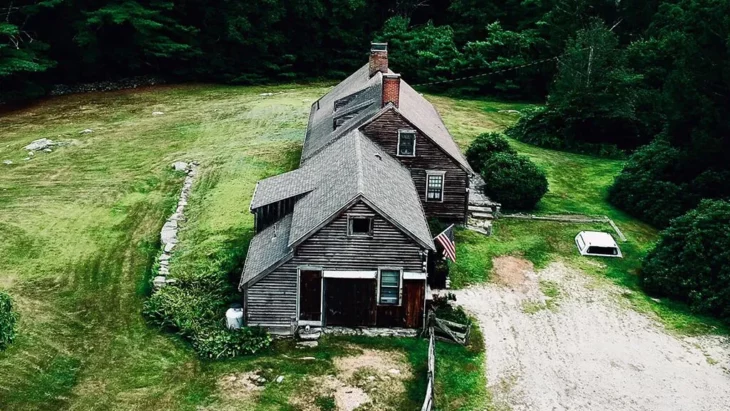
(389, 278)
(389, 296)
(360, 225)
(406, 145)
(434, 186)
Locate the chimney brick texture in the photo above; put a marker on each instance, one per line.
(378, 58)
(391, 89)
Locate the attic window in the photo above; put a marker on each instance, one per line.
(360, 226)
(406, 143)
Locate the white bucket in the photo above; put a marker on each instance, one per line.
(234, 318)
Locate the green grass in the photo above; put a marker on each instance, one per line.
(578, 184)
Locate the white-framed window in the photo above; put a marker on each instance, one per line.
(359, 225)
(407, 143)
(435, 185)
(390, 282)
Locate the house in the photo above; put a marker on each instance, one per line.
(344, 239)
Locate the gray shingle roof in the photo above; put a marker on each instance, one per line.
(281, 187)
(419, 111)
(267, 248)
(367, 93)
(354, 167)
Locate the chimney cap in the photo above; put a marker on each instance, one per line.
(379, 47)
(391, 75)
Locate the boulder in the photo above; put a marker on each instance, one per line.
(87, 131)
(179, 165)
(40, 144)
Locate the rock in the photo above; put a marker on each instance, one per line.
(266, 94)
(509, 111)
(307, 344)
(8, 162)
(47, 150)
(40, 144)
(394, 371)
(371, 378)
(279, 379)
(31, 154)
(159, 281)
(87, 131)
(169, 233)
(164, 257)
(169, 247)
(27, 158)
(157, 113)
(656, 300)
(310, 336)
(179, 165)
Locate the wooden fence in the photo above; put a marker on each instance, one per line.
(430, 396)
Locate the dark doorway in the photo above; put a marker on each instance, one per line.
(349, 302)
(310, 295)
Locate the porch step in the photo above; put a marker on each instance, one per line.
(480, 209)
(485, 216)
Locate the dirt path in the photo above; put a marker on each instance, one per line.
(558, 340)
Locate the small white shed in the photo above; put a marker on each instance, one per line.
(596, 243)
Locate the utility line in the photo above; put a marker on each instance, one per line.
(514, 68)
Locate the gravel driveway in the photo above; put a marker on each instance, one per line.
(585, 350)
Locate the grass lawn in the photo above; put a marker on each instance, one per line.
(79, 234)
(578, 184)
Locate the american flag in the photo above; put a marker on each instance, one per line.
(446, 239)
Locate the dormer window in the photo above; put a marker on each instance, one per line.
(406, 143)
(358, 225)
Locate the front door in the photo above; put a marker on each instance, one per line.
(310, 295)
(350, 302)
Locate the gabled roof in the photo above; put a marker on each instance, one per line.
(350, 169)
(422, 114)
(363, 95)
(359, 92)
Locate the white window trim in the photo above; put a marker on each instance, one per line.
(443, 184)
(321, 297)
(414, 276)
(349, 225)
(400, 286)
(397, 148)
(362, 275)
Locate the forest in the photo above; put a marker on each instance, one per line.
(643, 80)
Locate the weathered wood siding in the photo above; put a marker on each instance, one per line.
(384, 131)
(410, 313)
(272, 300)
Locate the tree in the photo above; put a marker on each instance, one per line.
(514, 181)
(691, 261)
(591, 102)
(484, 147)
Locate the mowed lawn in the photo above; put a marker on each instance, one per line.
(79, 234)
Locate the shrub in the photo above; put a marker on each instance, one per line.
(484, 147)
(8, 319)
(691, 261)
(514, 181)
(217, 341)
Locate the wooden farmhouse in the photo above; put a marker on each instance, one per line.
(344, 240)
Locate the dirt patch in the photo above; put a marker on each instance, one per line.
(240, 386)
(590, 351)
(365, 381)
(511, 271)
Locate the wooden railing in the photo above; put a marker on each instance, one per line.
(430, 395)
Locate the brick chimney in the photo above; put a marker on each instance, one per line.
(391, 89)
(378, 58)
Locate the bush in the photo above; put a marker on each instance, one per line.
(691, 261)
(514, 181)
(8, 320)
(193, 309)
(484, 147)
